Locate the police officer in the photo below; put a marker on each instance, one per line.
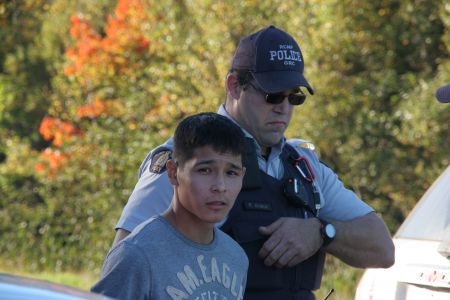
(292, 208)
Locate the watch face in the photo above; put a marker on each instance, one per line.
(330, 231)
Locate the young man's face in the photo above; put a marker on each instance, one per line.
(207, 184)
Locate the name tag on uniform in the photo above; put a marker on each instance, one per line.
(257, 205)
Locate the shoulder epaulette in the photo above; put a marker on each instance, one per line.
(159, 159)
(302, 144)
(306, 145)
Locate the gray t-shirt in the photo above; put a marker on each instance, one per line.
(157, 262)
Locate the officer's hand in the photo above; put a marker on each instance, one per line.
(291, 241)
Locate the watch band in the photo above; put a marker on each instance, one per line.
(327, 231)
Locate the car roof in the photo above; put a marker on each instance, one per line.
(14, 287)
(430, 218)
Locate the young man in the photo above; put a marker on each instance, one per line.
(292, 208)
(180, 254)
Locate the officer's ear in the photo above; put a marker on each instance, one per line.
(233, 86)
(172, 171)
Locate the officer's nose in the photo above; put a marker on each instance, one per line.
(283, 107)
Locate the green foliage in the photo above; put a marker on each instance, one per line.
(23, 77)
(374, 67)
(370, 63)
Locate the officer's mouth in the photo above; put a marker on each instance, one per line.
(277, 124)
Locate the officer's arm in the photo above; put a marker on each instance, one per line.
(362, 239)
(363, 242)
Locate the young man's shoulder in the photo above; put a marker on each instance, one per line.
(143, 236)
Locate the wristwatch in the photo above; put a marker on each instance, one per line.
(327, 231)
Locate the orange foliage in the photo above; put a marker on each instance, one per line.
(88, 43)
(123, 36)
(56, 130)
(95, 58)
(93, 110)
(101, 107)
(51, 161)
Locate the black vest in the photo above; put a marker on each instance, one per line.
(261, 202)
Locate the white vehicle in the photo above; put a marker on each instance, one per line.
(422, 253)
(14, 287)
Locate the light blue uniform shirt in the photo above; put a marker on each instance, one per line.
(153, 192)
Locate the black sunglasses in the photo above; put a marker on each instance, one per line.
(294, 98)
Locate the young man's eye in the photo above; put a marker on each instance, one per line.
(204, 170)
(233, 173)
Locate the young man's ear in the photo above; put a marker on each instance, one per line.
(172, 169)
(233, 86)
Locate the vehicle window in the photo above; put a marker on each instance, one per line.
(430, 218)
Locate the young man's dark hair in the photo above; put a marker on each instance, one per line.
(207, 129)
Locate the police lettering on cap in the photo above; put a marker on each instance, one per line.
(274, 59)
